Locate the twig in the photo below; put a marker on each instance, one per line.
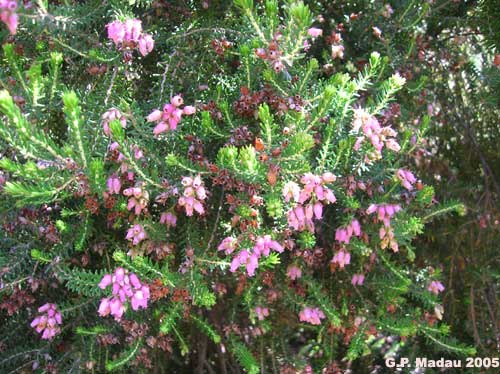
(110, 88)
(473, 318)
(164, 77)
(217, 218)
(214, 29)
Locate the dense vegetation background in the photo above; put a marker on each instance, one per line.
(201, 213)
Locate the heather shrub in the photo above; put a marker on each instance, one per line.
(227, 198)
(448, 52)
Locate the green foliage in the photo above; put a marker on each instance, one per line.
(125, 357)
(207, 329)
(82, 282)
(169, 319)
(244, 356)
(144, 267)
(242, 162)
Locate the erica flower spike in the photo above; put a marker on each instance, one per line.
(168, 118)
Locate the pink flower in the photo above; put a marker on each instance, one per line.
(136, 234)
(358, 279)
(384, 212)
(125, 287)
(435, 287)
(341, 235)
(177, 101)
(238, 260)
(318, 210)
(407, 178)
(378, 136)
(393, 145)
(140, 298)
(306, 45)
(344, 234)
(301, 219)
(341, 258)
(133, 30)
(47, 322)
(188, 110)
(386, 234)
(169, 118)
(146, 44)
(328, 177)
(193, 196)
(154, 116)
(116, 32)
(105, 281)
(261, 312)
(311, 315)
(111, 115)
(337, 51)
(294, 272)
(104, 308)
(114, 184)
(264, 244)
(114, 146)
(228, 245)
(116, 308)
(129, 35)
(138, 153)
(277, 66)
(171, 115)
(138, 199)
(387, 11)
(169, 219)
(310, 198)
(8, 15)
(249, 260)
(314, 32)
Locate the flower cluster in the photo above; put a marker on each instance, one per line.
(314, 32)
(250, 259)
(8, 14)
(111, 115)
(384, 212)
(294, 272)
(125, 286)
(48, 322)
(272, 54)
(129, 35)
(344, 234)
(311, 315)
(193, 196)
(261, 312)
(379, 136)
(358, 279)
(387, 238)
(310, 199)
(407, 178)
(114, 184)
(138, 199)
(337, 47)
(168, 118)
(169, 219)
(136, 234)
(435, 287)
(228, 245)
(341, 259)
